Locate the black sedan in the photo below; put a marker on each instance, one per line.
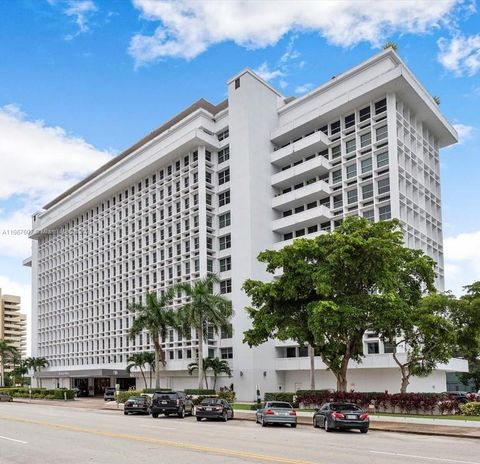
(214, 408)
(333, 416)
(5, 397)
(137, 405)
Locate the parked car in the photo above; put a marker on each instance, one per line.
(171, 402)
(276, 412)
(214, 408)
(80, 392)
(333, 416)
(137, 405)
(109, 394)
(5, 397)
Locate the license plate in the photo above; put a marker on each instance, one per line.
(136, 406)
(351, 416)
(208, 409)
(164, 402)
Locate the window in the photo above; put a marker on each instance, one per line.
(224, 220)
(226, 332)
(336, 176)
(349, 121)
(389, 347)
(350, 145)
(224, 176)
(225, 242)
(224, 155)
(223, 135)
(381, 133)
(382, 159)
(224, 198)
(288, 236)
(366, 165)
(367, 191)
(351, 170)
(225, 264)
(365, 139)
(226, 286)
(369, 214)
(384, 213)
(337, 201)
(336, 151)
(303, 351)
(237, 83)
(226, 353)
(381, 106)
(373, 348)
(291, 352)
(365, 114)
(383, 186)
(352, 196)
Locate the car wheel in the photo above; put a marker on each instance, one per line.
(315, 423)
(225, 416)
(363, 430)
(326, 426)
(294, 426)
(181, 414)
(154, 415)
(231, 417)
(262, 421)
(199, 419)
(166, 414)
(125, 413)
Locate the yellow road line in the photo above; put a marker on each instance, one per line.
(157, 441)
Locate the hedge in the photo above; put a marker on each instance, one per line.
(408, 402)
(227, 395)
(279, 396)
(471, 409)
(39, 393)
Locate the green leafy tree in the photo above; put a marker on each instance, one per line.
(352, 277)
(20, 372)
(473, 376)
(156, 318)
(149, 357)
(218, 367)
(36, 364)
(204, 309)
(418, 329)
(193, 367)
(137, 361)
(7, 352)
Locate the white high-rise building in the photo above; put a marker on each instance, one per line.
(209, 190)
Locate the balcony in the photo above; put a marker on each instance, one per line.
(296, 151)
(315, 167)
(306, 218)
(284, 243)
(301, 196)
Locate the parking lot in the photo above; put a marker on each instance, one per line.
(35, 434)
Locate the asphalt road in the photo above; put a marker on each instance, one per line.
(40, 434)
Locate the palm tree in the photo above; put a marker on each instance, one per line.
(137, 360)
(36, 364)
(218, 366)
(436, 99)
(193, 366)
(20, 371)
(390, 44)
(156, 319)
(7, 352)
(204, 309)
(149, 357)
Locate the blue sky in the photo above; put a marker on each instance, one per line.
(82, 80)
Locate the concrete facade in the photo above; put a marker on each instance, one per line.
(212, 188)
(13, 324)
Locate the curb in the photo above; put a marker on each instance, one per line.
(380, 429)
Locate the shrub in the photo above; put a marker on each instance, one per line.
(124, 395)
(40, 393)
(227, 395)
(279, 396)
(196, 391)
(471, 409)
(153, 390)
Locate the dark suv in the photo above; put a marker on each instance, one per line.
(170, 402)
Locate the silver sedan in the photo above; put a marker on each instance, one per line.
(276, 412)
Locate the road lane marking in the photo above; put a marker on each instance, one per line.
(13, 439)
(171, 443)
(427, 458)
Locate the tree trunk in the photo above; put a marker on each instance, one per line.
(311, 354)
(404, 371)
(2, 374)
(144, 378)
(405, 382)
(157, 347)
(200, 358)
(341, 380)
(215, 381)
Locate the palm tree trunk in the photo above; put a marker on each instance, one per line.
(143, 375)
(200, 358)
(2, 374)
(157, 347)
(311, 354)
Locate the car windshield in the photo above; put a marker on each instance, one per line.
(210, 401)
(344, 407)
(136, 398)
(166, 396)
(279, 405)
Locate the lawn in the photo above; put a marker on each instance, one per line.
(429, 416)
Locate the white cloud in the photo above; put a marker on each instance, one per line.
(462, 260)
(460, 54)
(266, 73)
(303, 88)
(464, 132)
(188, 27)
(11, 287)
(38, 162)
(79, 10)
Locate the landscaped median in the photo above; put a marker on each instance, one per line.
(39, 393)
